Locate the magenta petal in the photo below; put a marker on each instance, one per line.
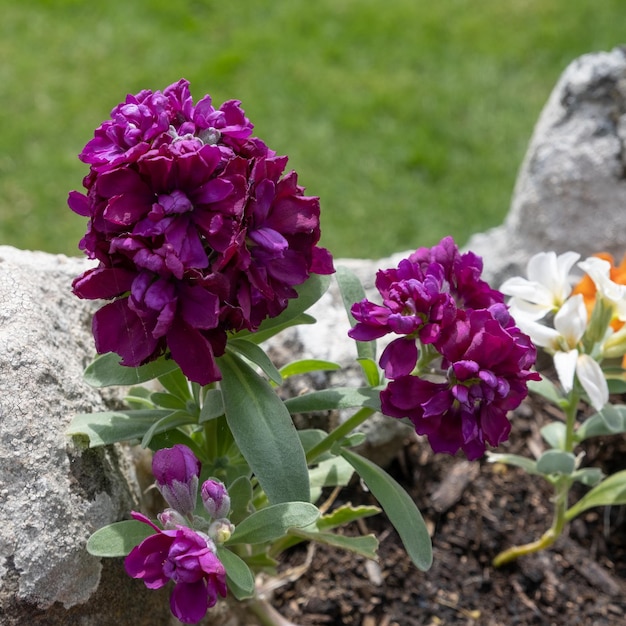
(103, 282)
(193, 353)
(198, 307)
(79, 203)
(399, 357)
(116, 328)
(189, 601)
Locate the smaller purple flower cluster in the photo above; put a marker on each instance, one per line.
(460, 363)
(178, 552)
(196, 228)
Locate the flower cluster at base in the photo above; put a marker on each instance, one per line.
(184, 551)
(460, 363)
(195, 227)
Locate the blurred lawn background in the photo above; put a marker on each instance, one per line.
(409, 118)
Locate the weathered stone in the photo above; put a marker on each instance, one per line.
(53, 493)
(571, 189)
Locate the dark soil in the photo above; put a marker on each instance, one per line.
(474, 510)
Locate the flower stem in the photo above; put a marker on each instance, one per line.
(339, 433)
(561, 487)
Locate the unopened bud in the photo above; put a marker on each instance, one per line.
(221, 530)
(215, 498)
(170, 519)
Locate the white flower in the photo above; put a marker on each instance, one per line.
(547, 287)
(562, 341)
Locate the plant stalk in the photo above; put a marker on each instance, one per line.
(561, 487)
(343, 430)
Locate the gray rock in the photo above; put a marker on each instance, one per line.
(53, 493)
(571, 189)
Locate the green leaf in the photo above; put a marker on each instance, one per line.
(345, 515)
(169, 422)
(547, 390)
(614, 416)
(256, 355)
(398, 506)
(264, 432)
(610, 421)
(329, 473)
(589, 476)
(554, 434)
(556, 462)
(239, 578)
(212, 406)
(105, 370)
(365, 545)
(166, 400)
(240, 492)
(611, 491)
(113, 426)
(528, 465)
(371, 371)
(273, 522)
(305, 366)
(335, 398)
(351, 292)
(177, 384)
(308, 294)
(118, 539)
(263, 334)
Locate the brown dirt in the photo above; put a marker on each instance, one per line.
(474, 510)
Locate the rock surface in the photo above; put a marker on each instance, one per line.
(571, 189)
(53, 494)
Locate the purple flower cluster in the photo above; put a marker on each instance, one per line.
(179, 553)
(197, 229)
(460, 363)
(186, 557)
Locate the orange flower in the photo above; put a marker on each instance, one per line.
(587, 287)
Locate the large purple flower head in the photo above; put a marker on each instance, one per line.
(484, 369)
(459, 364)
(197, 229)
(187, 558)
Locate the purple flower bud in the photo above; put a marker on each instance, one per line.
(170, 519)
(176, 471)
(215, 498)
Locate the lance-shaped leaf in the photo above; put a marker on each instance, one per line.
(345, 515)
(305, 366)
(256, 355)
(308, 294)
(264, 432)
(556, 462)
(118, 539)
(399, 507)
(273, 522)
(365, 545)
(239, 578)
(351, 292)
(335, 398)
(105, 371)
(611, 491)
(113, 426)
(611, 420)
(517, 460)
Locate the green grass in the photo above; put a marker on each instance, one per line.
(408, 118)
